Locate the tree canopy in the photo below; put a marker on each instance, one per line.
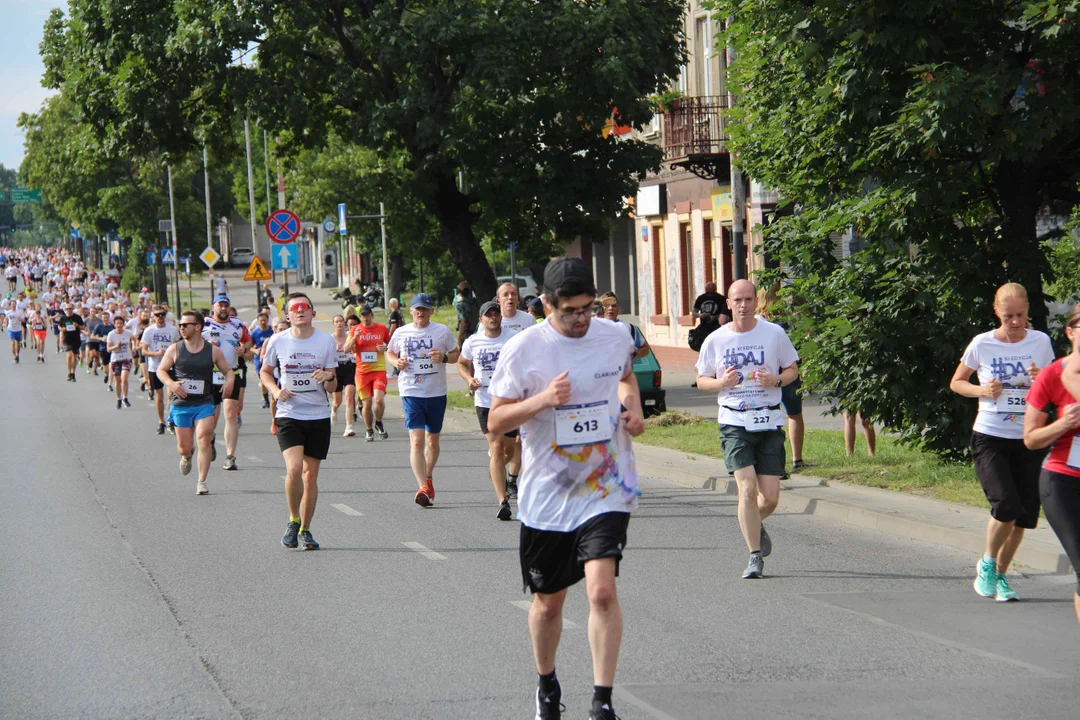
(939, 132)
(508, 96)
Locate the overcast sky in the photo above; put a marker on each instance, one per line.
(20, 79)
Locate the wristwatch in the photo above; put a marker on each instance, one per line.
(779, 382)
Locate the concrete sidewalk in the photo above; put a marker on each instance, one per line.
(898, 514)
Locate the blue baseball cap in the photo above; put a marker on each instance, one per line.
(222, 298)
(422, 300)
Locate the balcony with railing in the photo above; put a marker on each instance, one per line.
(695, 135)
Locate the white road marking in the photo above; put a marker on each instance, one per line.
(252, 458)
(347, 510)
(626, 696)
(526, 604)
(426, 552)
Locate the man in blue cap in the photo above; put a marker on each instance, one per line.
(420, 350)
(228, 333)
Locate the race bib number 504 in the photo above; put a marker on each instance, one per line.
(421, 366)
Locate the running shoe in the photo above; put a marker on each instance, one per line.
(986, 578)
(126, 403)
(119, 404)
(766, 543)
(549, 706)
(422, 498)
(369, 436)
(511, 488)
(230, 462)
(1004, 592)
(266, 404)
(213, 448)
(383, 435)
(172, 428)
(349, 432)
(185, 464)
(605, 713)
(151, 395)
(800, 464)
(142, 385)
(161, 429)
(755, 569)
(333, 418)
(307, 542)
(106, 380)
(431, 489)
(200, 489)
(289, 538)
(504, 511)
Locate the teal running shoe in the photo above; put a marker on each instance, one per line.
(986, 578)
(1004, 592)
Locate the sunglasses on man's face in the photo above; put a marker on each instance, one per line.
(189, 325)
(159, 314)
(299, 307)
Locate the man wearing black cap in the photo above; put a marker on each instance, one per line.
(421, 350)
(565, 383)
(476, 366)
(228, 333)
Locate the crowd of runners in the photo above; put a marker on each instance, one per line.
(556, 401)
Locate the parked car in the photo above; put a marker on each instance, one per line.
(526, 285)
(241, 257)
(650, 381)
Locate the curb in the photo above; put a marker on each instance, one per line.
(804, 499)
(803, 495)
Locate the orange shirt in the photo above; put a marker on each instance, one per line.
(368, 359)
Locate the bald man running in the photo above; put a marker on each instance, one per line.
(746, 363)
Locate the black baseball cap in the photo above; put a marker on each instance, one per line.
(487, 307)
(564, 271)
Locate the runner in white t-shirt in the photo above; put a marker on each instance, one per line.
(118, 343)
(568, 383)
(747, 362)
(476, 366)
(420, 350)
(305, 359)
(1006, 360)
(155, 340)
(15, 322)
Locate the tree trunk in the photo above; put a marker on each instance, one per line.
(451, 209)
(1026, 263)
(397, 273)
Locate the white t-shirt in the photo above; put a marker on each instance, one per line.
(422, 378)
(16, 320)
(766, 347)
(156, 339)
(577, 460)
(296, 359)
(517, 323)
(124, 339)
(483, 352)
(1008, 362)
(229, 335)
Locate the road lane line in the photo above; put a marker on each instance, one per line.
(425, 551)
(526, 604)
(347, 510)
(626, 696)
(1041, 671)
(253, 458)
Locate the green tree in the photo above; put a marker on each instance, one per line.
(936, 130)
(508, 95)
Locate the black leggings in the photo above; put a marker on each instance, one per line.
(1061, 503)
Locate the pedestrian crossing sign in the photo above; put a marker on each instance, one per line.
(256, 270)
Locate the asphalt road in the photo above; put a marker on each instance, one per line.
(125, 595)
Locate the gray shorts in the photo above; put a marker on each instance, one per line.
(764, 451)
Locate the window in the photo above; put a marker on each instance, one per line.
(702, 57)
(708, 256)
(657, 270)
(686, 258)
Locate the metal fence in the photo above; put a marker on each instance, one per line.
(695, 126)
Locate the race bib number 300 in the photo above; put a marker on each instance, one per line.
(582, 424)
(421, 366)
(1012, 400)
(301, 382)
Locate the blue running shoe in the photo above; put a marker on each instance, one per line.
(289, 538)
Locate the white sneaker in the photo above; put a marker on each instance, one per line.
(333, 417)
(348, 431)
(200, 489)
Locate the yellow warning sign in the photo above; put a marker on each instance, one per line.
(256, 270)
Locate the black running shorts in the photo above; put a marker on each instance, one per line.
(482, 415)
(1009, 475)
(313, 435)
(552, 561)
